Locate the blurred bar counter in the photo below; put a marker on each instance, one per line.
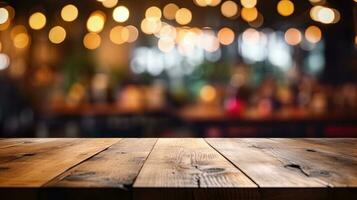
(110, 120)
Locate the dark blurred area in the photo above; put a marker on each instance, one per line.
(166, 68)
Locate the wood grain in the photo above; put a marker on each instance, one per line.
(261, 164)
(35, 165)
(189, 163)
(116, 167)
(319, 162)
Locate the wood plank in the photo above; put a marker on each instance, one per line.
(42, 163)
(328, 166)
(344, 146)
(117, 166)
(260, 164)
(190, 169)
(12, 142)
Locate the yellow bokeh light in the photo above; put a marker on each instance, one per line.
(248, 3)
(69, 13)
(258, 22)
(121, 14)
(285, 7)
(4, 15)
(37, 21)
(293, 36)
(225, 36)
(95, 22)
(201, 3)
(183, 16)
(229, 9)
(91, 41)
(11, 11)
(153, 13)
(133, 33)
(119, 35)
(165, 44)
(251, 36)
(356, 38)
(21, 40)
(5, 25)
(57, 35)
(17, 30)
(313, 34)
(249, 14)
(109, 3)
(170, 11)
(150, 26)
(208, 93)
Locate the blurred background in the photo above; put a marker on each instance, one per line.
(178, 68)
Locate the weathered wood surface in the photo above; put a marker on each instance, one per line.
(34, 164)
(178, 168)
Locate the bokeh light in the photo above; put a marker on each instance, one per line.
(121, 14)
(133, 33)
(21, 40)
(166, 44)
(249, 14)
(248, 3)
(119, 35)
(57, 35)
(4, 61)
(170, 11)
(229, 9)
(153, 13)
(293, 36)
(285, 7)
(313, 34)
(208, 93)
(37, 21)
(95, 22)
(150, 26)
(225, 36)
(69, 13)
(109, 3)
(91, 41)
(4, 15)
(183, 16)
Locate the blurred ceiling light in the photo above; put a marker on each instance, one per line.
(133, 33)
(4, 15)
(201, 3)
(313, 34)
(37, 21)
(4, 61)
(208, 93)
(57, 35)
(166, 45)
(248, 3)
(91, 41)
(293, 36)
(324, 14)
(229, 9)
(210, 43)
(109, 3)
(21, 40)
(214, 2)
(249, 14)
(121, 14)
(95, 22)
(251, 36)
(170, 11)
(119, 35)
(183, 16)
(168, 31)
(285, 7)
(150, 26)
(317, 1)
(17, 30)
(225, 36)
(69, 13)
(153, 13)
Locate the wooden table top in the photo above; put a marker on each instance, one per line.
(179, 168)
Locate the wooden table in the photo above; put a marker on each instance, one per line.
(178, 168)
